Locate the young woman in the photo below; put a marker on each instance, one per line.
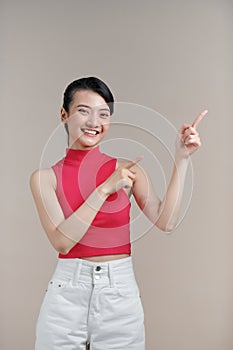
(83, 202)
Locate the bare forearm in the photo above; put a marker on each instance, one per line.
(170, 206)
(77, 224)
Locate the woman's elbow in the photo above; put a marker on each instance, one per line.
(63, 250)
(166, 229)
(59, 244)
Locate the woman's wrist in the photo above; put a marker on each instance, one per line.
(180, 159)
(102, 191)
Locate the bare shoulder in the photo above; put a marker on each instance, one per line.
(43, 176)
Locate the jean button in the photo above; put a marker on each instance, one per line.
(98, 268)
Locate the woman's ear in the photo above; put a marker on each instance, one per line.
(64, 115)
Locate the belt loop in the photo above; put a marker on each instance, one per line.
(77, 270)
(111, 277)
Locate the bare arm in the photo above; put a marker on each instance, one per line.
(164, 214)
(170, 206)
(187, 142)
(64, 233)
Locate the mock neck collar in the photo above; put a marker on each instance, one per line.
(75, 155)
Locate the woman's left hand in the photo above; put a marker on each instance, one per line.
(188, 140)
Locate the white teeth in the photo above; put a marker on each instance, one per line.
(90, 131)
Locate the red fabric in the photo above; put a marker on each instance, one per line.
(78, 173)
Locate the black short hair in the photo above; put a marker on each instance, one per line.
(87, 83)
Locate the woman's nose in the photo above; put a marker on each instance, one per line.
(93, 119)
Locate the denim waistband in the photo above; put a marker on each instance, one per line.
(86, 271)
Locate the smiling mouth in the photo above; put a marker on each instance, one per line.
(90, 131)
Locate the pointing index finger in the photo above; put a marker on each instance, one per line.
(199, 118)
(133, 162)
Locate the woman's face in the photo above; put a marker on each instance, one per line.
(88, 119)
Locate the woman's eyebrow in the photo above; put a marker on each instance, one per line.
(101, 109)
(105, 109)
(82, 105)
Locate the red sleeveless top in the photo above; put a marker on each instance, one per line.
(78, 173)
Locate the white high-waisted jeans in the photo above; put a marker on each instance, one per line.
(91, 302)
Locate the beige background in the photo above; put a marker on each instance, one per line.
(172, 56)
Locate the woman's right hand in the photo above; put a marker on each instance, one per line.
(123, 176)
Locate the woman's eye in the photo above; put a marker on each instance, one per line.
(83, 110)
(104, 115)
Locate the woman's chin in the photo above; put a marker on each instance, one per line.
(86, 143)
